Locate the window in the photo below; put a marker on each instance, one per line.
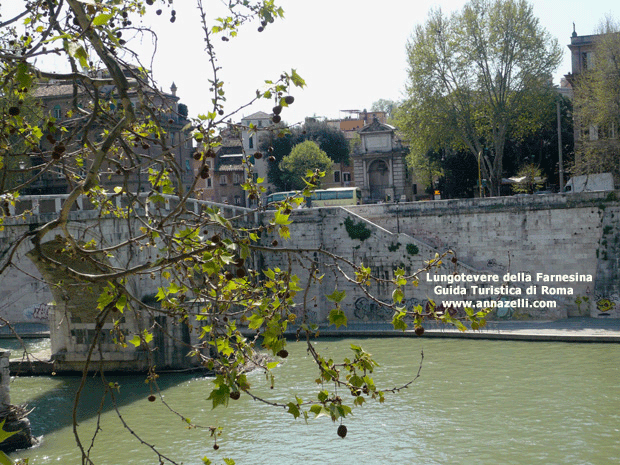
(223, 180)
(209, 183)
(336, 176)
(57, 112)
(587, 60)
(251, 142)
(237, 200)
(188, 166)
(346, 176)
(236, 178)
(593, 133)
(224, 200)
(260, 123)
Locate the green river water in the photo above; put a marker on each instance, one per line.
(477, 402)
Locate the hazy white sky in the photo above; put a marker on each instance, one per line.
(350, 52)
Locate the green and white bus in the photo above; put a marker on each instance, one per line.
(335, 197)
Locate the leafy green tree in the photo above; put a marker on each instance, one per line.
(597, 106)
(329, 139)
(540, 147)
(386, 105)
(532, 181)
(475, 79)
(279, 146)
(305, 157)
(460, 176)
(20, 122)
(427, 168)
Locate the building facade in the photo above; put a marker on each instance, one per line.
(254, 129)
(380, 166)
(227, 171)
(597, 145)
(59, 100)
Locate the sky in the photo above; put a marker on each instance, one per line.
(351, 53)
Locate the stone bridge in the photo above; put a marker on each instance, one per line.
(36, 293)
(533, 239)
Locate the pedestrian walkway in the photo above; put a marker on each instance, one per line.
(25, 330)
(580, 329)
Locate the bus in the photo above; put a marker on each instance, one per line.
(334, 197)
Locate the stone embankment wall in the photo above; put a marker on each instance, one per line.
(533, 238)
(529, 237)
(547, 234)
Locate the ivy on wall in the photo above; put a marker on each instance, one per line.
(357, 230)
(412, 249)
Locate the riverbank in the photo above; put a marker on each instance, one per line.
(25, 331)
(578, 330)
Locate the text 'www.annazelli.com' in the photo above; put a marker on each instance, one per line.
(516, 303)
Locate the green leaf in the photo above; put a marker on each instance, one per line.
(23, 77)
(356, 381)
(4, 435)
(220, 395)
(293, 409)
(398, 295)
(337, 317)
(319, 410)
(121, 303)
(101, 19)
(398, 322)
(135, 340)
(256, 321)
(337, 296)
(297, 79)
(4, 460)
(81, 54)
(343, 410)
(284, 232)
(281, 219)
(148, 337)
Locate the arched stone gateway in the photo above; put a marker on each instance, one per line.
(379, 180)
(380, 167)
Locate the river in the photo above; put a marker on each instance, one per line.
(476, 402)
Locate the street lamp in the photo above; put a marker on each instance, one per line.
(479, 175)
(22, 167)
(561, 163)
